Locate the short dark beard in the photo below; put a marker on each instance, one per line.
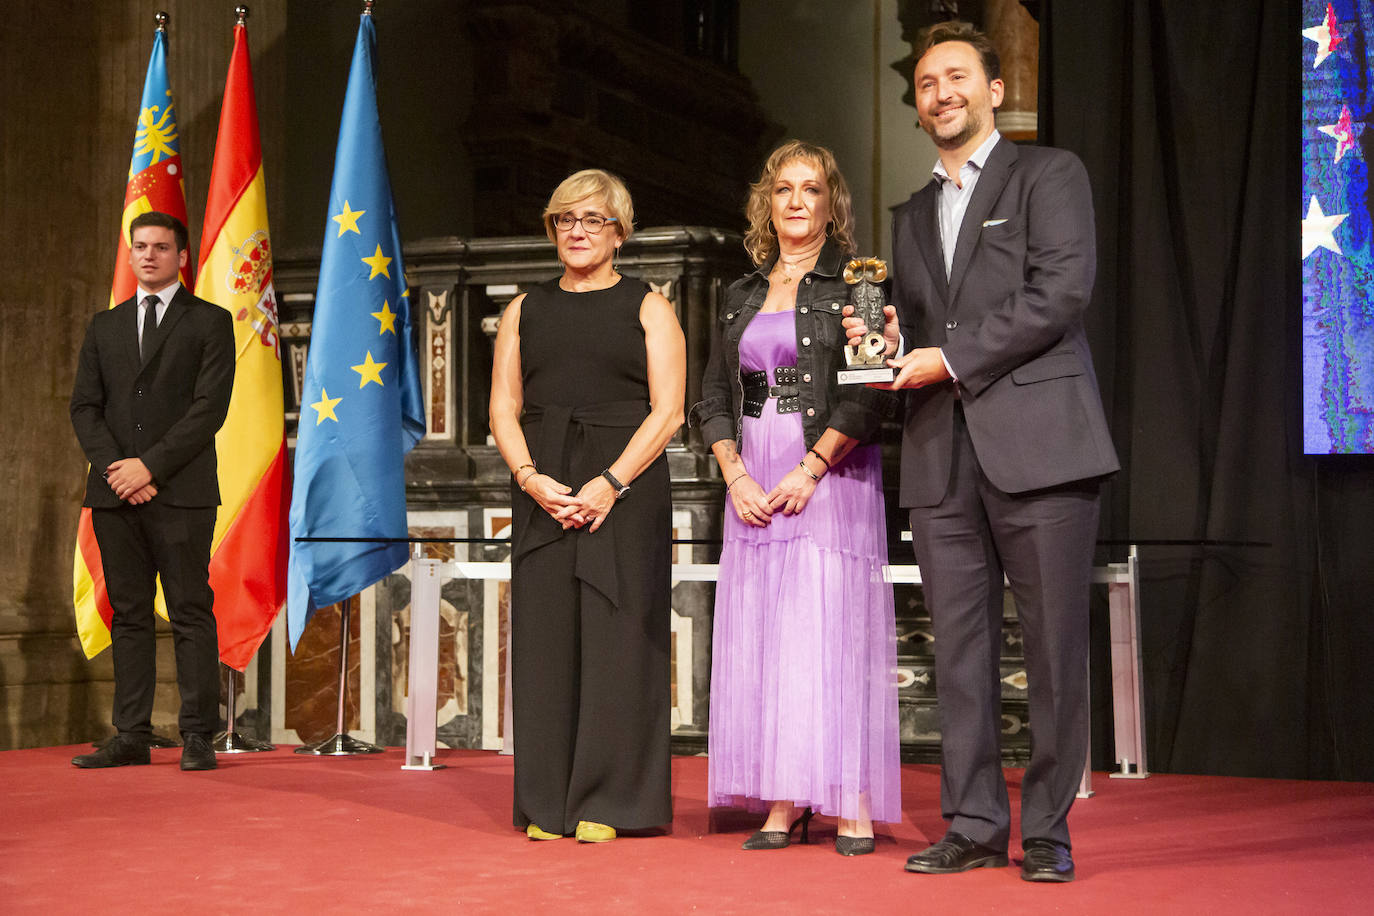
(972, 126)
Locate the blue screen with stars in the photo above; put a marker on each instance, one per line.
(1337, 224)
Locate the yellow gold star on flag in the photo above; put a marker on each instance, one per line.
(387, 318)
(348, 220)
(325, 407)
(369, 371)
(378, 262)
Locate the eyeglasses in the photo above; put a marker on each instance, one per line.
(592, 223)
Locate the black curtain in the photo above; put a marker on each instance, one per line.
(1256, 658)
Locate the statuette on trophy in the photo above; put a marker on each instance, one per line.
(866, 361)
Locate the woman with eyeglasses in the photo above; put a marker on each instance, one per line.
(803, 670)
(587, 388)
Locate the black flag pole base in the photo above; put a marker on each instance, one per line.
(340, 745)
(236, 743)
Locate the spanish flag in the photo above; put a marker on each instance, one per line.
(249, 550)
(155, 183)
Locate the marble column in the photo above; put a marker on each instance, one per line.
(1017, 37)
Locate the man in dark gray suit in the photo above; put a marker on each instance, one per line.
(1003, 448)
(152, 389)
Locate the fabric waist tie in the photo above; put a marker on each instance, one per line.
(556, 422)
(551, 450)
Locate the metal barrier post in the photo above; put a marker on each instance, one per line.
(1127, 710)
(422, 689)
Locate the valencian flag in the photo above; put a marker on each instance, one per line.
(248, 553)
(155, 183)
(361, 406)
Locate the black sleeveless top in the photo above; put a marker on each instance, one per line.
(585, 378)
(583, 348)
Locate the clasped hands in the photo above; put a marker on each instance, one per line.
(920, 367)
(131, 480)
(755, 507)
(589, 506)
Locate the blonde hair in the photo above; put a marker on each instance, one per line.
(592, 183)
(761, 240)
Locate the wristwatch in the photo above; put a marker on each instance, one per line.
(620, 488)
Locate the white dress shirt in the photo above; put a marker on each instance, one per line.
(164, 299)
(954, 198)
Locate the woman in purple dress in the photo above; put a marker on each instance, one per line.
(803, 682)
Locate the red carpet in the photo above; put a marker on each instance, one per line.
(281, 831)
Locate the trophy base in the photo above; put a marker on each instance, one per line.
(873, 375)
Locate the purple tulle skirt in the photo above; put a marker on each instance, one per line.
(803, 678)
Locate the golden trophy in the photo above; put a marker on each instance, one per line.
(866, 361)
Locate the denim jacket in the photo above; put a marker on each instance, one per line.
(854, 410)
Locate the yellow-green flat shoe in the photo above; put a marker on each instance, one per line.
(535, 832)
(592, 832)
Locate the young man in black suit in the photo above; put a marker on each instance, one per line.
(152, 389)
(1004, 444)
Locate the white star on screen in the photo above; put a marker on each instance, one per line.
(1318, 229)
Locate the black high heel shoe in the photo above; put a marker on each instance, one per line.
(854, 845)
(778, 839)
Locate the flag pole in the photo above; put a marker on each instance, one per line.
(154, 739)
(341, 743)
(230, 741)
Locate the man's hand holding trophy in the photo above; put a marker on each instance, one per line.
(865, 324)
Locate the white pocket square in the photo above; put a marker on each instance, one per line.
(989, 223)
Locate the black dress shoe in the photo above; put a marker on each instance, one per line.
(955, 853)
(119, 751)
(1046, 860)
(196, 753)
(854, 845)
(780, 839)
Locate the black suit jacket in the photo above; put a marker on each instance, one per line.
(165, 409)
(1009, 319)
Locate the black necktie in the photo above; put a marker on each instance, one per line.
(145, 343)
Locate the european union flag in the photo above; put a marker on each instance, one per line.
(361, 404)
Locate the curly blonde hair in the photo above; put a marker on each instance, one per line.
(761, 239)
(592, 183)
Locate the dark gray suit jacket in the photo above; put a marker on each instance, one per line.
(164, 410)
(1009, 320)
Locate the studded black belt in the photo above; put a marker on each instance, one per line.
(757, 391)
